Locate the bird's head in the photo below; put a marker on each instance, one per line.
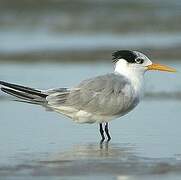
(133, 62)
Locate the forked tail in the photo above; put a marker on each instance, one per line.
(25, 93)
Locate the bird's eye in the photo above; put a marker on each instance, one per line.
(139, 61)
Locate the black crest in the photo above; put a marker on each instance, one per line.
(128, 55)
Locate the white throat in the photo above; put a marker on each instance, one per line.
(131, 72)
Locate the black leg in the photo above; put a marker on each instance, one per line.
(101, 132)
(107, 132)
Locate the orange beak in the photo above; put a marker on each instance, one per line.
(160, 67)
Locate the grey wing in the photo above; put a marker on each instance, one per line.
(107, 94)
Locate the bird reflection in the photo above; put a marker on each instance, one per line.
(86, 159)
(109, 159)
(106, 144)
(93, 151)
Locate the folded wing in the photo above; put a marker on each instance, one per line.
(103, 95)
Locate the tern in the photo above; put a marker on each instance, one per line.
(99, 99)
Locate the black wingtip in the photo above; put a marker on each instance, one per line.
(16, 93)
(23, 89)
(1, 82)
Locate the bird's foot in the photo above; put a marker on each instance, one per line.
(102, 140)
(108, 139)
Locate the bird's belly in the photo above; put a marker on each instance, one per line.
(81, 116)
(86, 117)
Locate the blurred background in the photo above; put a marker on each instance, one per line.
(57, 43)
(87, 30)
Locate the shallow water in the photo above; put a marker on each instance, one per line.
(35, 144)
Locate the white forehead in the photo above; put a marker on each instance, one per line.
(140, 55)
(147, 61)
